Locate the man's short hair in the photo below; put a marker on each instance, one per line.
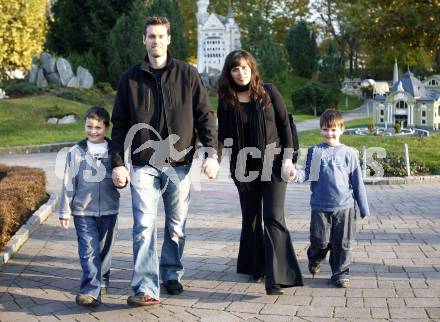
(331, 118)
(98, 113)
(157, 20)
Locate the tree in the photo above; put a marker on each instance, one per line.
(403, 28)
(339, 20)
(188, 9)
(23, 26)
(314, 97)
(81, 28)
(302, 50)
(171, 10)
(279, 14)
(124, 44)
(270, 56)
(331, 69)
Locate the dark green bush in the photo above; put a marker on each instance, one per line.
(58, 112)
(106, 88)
(93, 96)
(22, 87)
(314, 98)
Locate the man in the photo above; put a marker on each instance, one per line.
(160, 108)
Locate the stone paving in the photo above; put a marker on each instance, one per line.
(395, 270)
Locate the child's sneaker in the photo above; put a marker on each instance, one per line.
(87, 300)
(141, 299)
(342, 283)
(314, 268)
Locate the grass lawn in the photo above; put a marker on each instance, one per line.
(424, 149)
(23, 121)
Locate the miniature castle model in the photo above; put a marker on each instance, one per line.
(216, 37)
(410, 103)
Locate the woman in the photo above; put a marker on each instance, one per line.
(254, 116)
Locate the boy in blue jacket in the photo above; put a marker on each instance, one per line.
(89, 195)
(336, 184)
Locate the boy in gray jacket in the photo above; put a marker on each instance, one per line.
(336, 184)
(89, 195)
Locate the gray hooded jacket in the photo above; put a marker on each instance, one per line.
(88, 189)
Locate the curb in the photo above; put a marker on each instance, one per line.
(25, 231)
(402, 180)
(42, 148)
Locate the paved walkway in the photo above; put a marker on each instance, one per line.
(365, 110)
(396, 264)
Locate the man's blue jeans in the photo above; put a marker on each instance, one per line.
(95, 241)
(148, 184)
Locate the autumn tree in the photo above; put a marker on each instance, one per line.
(405, 29)
(23, 29)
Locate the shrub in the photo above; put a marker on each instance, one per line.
(314, 98)
(395, 166)
(396, 128)
(22, 191)
(21, 88)
(58, 112)
(92, 96)
(106, 88)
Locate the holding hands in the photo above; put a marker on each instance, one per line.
(120, 176)
(288, 170)
(210, 167)
(64, 223)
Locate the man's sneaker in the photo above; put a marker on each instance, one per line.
(141, 299)
(87, 300)
(342, 283)
(314, 268)
(173, 287)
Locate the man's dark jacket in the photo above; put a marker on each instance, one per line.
(187, 110)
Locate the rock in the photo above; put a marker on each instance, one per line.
(54, 78)
(33, 74)
(3, 94)
(73, 82)
(41, 80)
(68, 119)
(64, 70)
(52, 120)
(48, 62)
(85, 78)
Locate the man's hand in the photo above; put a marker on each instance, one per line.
(210, 167)
(64, 223)
(120, 176)
(288, 171)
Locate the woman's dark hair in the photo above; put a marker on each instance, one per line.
(226, 90)
(98, 113)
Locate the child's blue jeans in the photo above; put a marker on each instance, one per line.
(95, 240)
(335, 232)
